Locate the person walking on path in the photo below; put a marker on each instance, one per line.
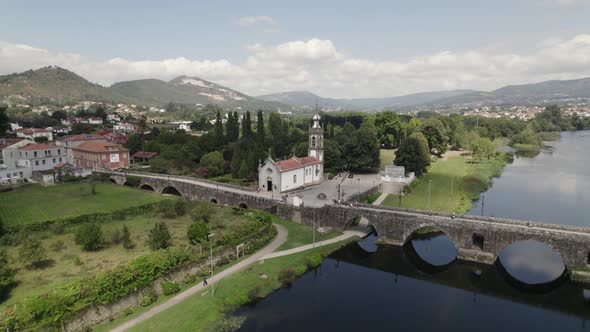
(204, 282)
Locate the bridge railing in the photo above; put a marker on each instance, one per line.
(182, 177)
(528, 223)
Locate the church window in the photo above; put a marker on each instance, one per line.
(269, 170)
(313, 141)
(294, 178)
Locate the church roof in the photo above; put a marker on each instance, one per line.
(294, 163)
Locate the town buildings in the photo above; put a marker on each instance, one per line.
(97, 155)
(35, 133)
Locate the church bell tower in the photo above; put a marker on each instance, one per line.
(316, 139)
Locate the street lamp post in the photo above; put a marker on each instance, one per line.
(429, 183)
(400, 198)
(358, 199)
(211, 246)
(313, 232)
(483, 202)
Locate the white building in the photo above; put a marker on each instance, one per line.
(34, 133)
(294, 173)
(123, 128)
(20, 158)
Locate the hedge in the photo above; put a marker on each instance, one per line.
(54, 308)
(97, 217)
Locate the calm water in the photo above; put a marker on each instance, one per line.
(392, 289)
(422, 287)
(553, 186)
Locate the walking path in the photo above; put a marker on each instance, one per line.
(346, 235)
(380, 199)
(277, 242)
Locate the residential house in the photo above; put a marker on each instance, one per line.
(98, 155)
(72, 141)
(123, 128)
(35, 133)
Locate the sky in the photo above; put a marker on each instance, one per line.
(334, 48)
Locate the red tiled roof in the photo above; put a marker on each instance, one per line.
(146, 154)
(294, 163)
(60, 165)
(98, 146)
(6, 142)
(82, 137)
(36, 146)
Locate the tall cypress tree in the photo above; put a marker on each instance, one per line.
(260, 129)
(219, 137)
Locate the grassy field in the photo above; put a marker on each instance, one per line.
(201, 310)
(63, 266)
(386, 157)
(467, 178)
(34, 203)
(300, 234)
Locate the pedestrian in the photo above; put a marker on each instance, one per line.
(204, 281)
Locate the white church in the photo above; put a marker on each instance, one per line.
(294, 173)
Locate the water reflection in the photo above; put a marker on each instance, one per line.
(358, 291)
(532, 262)
(369, 243)
(433, 247)
(553, 186)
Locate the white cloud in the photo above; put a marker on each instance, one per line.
(252, 20)
(318, 66)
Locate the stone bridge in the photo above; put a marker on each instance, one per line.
(479, 239)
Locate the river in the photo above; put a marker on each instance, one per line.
(422, 287)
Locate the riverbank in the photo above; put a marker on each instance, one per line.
(454, 182)
(202, 311)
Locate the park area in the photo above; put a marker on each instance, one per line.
(35, 203)
(455, 182)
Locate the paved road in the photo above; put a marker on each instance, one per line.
(277, 242)
(346, 235)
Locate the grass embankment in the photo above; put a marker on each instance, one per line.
(386, 157)
(300, 234)
(203, 311)
(469, 178)
(35, 203)
(68, 262)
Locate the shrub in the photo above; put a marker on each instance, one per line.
(90, 236)
(115, 236)
(313, 261)
(126, 238)
(159, 237)
(77, 260)
(57, 245)
(179, 208)
(32, 252)
(172, 208)
(190, 278)
(148, 298)
(133, 181)
(170, 287)
(235, 301)
(197, 232)
(255, 293)
(58, 227)
(228, 323)
(286, 277)
(6, 273)
(221, 261)
(127, 311)
(202, 211)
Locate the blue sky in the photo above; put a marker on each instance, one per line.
(240, 39)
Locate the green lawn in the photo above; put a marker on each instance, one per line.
(300, 234)
(386, 157)
(34, 203)
(468, 180)
(201, 310)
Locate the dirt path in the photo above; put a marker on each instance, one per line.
(277, 242)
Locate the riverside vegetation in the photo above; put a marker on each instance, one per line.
(99, 258)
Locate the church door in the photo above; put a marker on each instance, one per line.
(269, 185)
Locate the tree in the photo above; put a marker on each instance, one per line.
(4, 122)
(413, 154)
(233, 127)
(361, 149)
(219, 136)
(159, 237)
(126, 238)
(198, 231)
(260, 129)
(59, 115)
(2, 230)
(434, 131)
(90, 236)
(214, 163)
(142, 126)
(390, 129)
(527, 136)
(482, 148)
(32, 252)
(6, 273)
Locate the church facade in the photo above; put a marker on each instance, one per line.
(295, 173)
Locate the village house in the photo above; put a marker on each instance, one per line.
(73, 141)
(295, 173)
(98, 155)
(123, 128)
(35, 133)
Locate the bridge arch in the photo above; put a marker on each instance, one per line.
(113, 181)
(243, 206)
(146, 187)
(170, 190)
(431, 248)
(127, 184)
(532, 263)
(213, 200)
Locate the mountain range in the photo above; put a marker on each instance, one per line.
(59, 84)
